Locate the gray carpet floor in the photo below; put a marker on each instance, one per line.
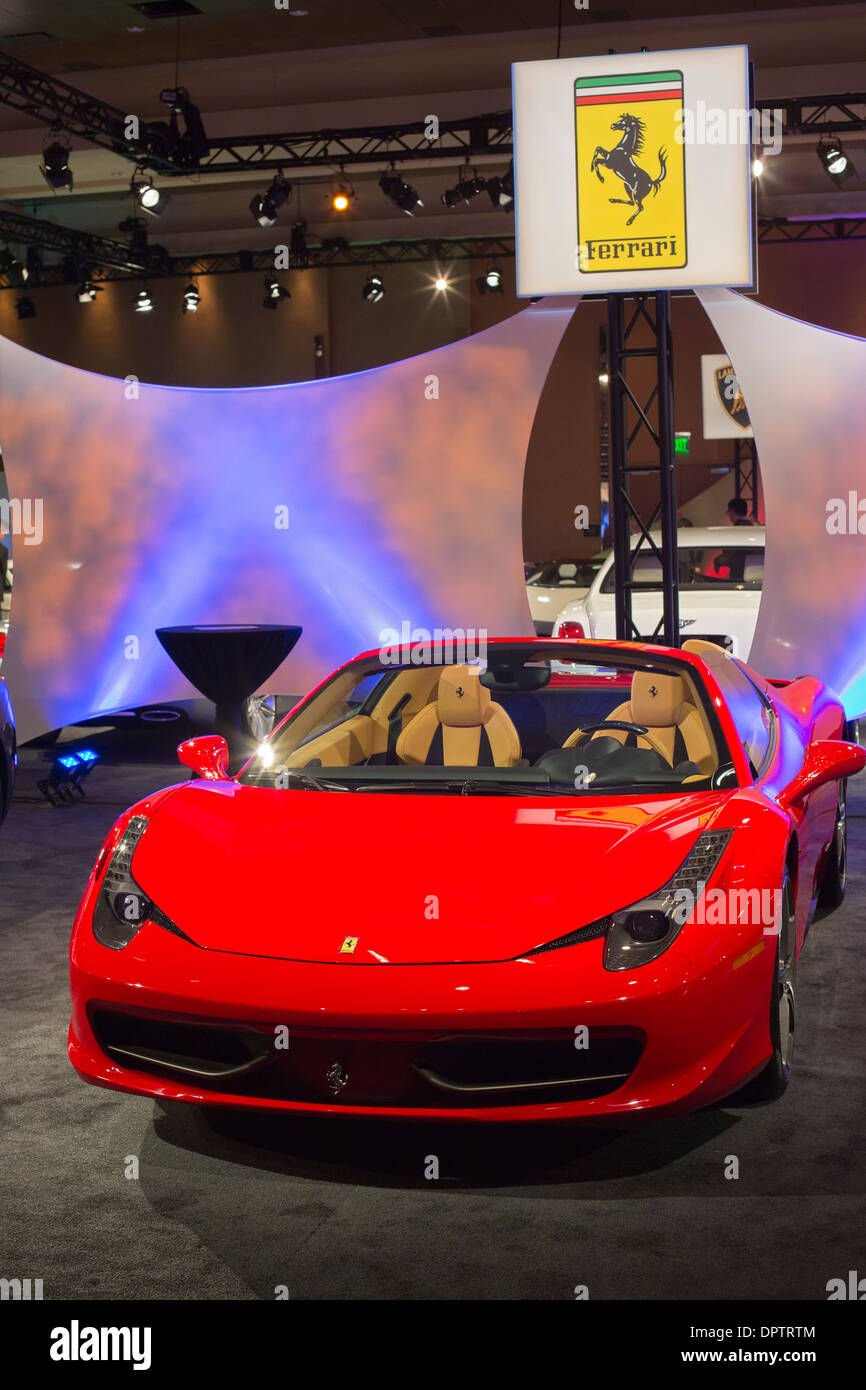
(341, 1209)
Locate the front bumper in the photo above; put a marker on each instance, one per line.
(672, 1036)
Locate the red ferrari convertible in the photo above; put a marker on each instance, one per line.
(572, 880)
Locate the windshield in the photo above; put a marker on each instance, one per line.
(525, 722)
(567, 574)
(700, 567)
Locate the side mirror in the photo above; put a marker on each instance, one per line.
(207, 756)
(829, 760)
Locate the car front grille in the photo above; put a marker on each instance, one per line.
(476, 1069)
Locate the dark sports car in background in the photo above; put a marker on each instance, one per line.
(573, 880)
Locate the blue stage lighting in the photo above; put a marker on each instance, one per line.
(63, 783)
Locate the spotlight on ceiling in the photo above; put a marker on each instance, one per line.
(142, 302)
(757, 167)
(465, 190)
(265, 206)
(147, 196)
(441, 282)
(491, 281)
(191, 299)
(16, 272)
(374, 290)
(55, 167)
(399, 193)
(298, 257)
(501, 191)
(25, 308)
(274, 292)
(341, 196)
(834, 161)
(87, 292)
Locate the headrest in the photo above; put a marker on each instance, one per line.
(711, 653)
(657, 701)
(461, 698)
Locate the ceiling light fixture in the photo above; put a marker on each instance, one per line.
(467, 188)
(191, 299)
(274, 293)
(501, 190)
(834, 161)
(55, 167)
(374, 290)
(399, 193)
(87, 292)
(142, 302)
(265, 206)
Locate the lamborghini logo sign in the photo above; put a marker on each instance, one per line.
(348, 946)
(730, 395)
(637, 178)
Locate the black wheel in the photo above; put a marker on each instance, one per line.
(772, 1081)
(835, 876)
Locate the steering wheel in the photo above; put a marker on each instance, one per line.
(574, 739)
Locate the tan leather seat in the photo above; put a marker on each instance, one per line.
(662, 704)
(462, 727)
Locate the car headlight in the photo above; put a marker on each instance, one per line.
(122, 907)
(641, 932)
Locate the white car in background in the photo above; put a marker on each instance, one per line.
(554, 582)
(721, 572)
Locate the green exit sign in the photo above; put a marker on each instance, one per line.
(681, 443)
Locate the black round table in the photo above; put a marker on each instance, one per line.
(226, 662)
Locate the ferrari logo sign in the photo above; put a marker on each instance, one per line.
(630, 169)
(730, 395)
(633, 173)
(348, 946)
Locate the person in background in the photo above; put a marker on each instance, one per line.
(738, 512)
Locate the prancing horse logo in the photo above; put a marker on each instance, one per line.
(620, 161)
(460, 692)
(653, 691)
(336, 1077)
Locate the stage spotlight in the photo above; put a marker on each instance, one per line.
(15, 271)
(440, 283)
(491, 281)
(834, 161)
(501, 191)
(464, 191)
(142, 302)
(341, 197)
(55, 167)
(757, 167)
(298, 258)
(25, 308)
(265, 206)
(399, 193)
(274, 293)
(87, 292)
(373, 290)
(147, 196)
(137, 230)
(63, 782)
(191, 299)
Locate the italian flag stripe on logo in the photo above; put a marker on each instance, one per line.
(652, 86)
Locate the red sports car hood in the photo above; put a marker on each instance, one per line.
(415, 878)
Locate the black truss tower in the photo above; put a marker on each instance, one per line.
(746, 472)
(630, 419)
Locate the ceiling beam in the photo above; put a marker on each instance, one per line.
(56, 104)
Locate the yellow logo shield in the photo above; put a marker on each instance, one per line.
(348, 946)
(631, 192)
